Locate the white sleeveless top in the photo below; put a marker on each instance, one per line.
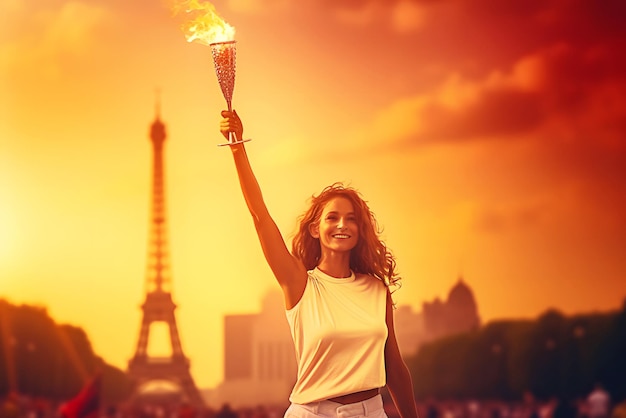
(339, 332)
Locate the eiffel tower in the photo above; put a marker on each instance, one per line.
(159, 306)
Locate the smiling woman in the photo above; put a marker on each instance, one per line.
(336, 285)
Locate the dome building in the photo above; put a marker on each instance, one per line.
(457, 314)
(461, 312)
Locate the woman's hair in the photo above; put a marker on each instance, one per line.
(369, 256)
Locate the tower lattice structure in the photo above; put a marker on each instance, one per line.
(159, 305)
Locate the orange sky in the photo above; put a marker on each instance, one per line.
(487, 136)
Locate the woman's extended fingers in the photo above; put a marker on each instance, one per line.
(231, 123)
(231, 117)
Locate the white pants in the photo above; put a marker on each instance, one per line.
(372, 407)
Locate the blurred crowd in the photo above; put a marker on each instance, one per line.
(597, 404)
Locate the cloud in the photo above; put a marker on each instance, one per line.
(363, 14)
(494, 219)
(534, 24)
(569, 93)
(501, 104)
(560, 114)
(585, 21)
(10, 6)
(46, 37)
(401, 16)
(72, 27)
(257, 6)
(407, 16)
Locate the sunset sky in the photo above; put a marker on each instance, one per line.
(488, 136)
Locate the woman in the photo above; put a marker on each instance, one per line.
(338, 304)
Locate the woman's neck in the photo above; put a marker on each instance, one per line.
(335, 265)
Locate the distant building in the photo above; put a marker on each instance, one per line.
(238, 333)
(259, 359)
(458, 313)
(410, 329)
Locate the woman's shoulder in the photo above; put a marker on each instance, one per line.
(370, 280)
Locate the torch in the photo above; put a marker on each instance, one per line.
(224, 58)
(210, 29)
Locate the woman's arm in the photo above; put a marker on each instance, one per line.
(288, 270)
(398, 377)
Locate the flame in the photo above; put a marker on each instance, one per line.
(205, 25)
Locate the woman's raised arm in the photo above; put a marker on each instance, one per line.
(288, 270)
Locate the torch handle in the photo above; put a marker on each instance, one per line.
(231, 135)
(232, 139)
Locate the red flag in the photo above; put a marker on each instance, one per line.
(86, 403)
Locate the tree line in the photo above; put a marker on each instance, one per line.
(553, 356)
(41, 358)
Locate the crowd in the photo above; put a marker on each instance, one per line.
(596, 405)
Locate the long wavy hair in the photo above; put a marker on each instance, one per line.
(369, 256)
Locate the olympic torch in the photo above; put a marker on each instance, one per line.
(208, 28)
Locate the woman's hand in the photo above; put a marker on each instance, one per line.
(231, 123)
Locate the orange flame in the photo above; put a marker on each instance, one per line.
(205, 25)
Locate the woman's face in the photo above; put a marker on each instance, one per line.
(337, 228)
